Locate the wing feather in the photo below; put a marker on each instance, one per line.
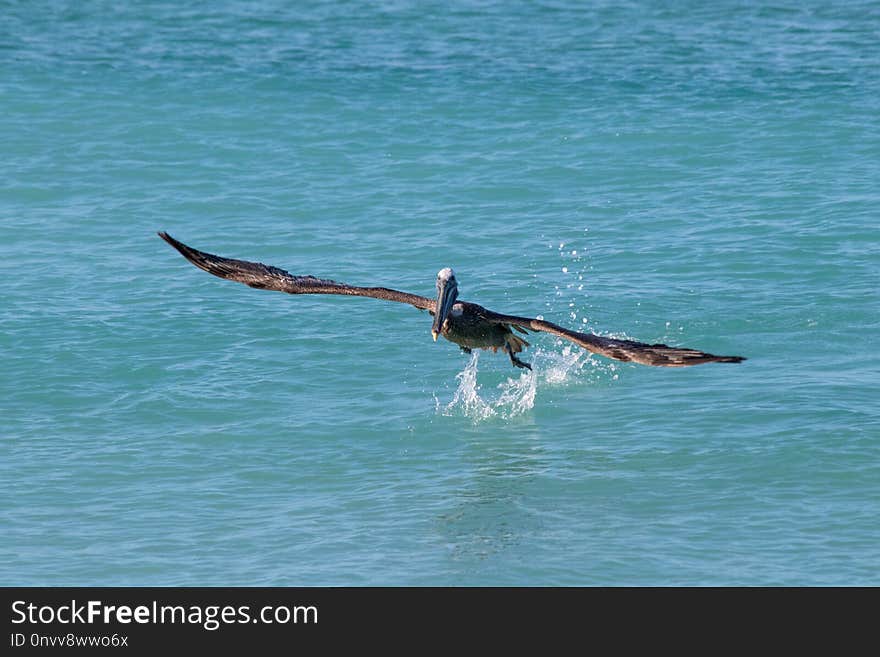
(660, 355)
(267, 277)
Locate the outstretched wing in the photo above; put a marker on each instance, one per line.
(266, 277)
(626, 350)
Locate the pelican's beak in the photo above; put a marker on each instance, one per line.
(447, 292)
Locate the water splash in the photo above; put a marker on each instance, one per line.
(569, 289)
(516, 394)
(467, 396)
(560, 364)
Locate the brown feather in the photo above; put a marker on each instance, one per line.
(266, 277)
(660, 355)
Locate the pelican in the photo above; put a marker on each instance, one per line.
(468, 325)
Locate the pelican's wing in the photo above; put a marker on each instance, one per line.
(266, 277)
(627, 350)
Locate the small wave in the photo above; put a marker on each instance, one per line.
(516, 394)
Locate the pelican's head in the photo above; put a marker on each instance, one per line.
(447, 293)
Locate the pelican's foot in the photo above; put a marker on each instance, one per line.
(466, 350)
(516, 361)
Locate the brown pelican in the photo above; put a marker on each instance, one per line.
(466, 324)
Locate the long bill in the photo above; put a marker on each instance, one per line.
(446, 295)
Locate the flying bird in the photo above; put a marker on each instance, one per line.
(468, 325)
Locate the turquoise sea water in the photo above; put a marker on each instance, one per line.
(702, 174)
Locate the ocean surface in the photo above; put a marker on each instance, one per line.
(700, 174)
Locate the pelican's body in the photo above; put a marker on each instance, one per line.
(468, 325)
(468, 330)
